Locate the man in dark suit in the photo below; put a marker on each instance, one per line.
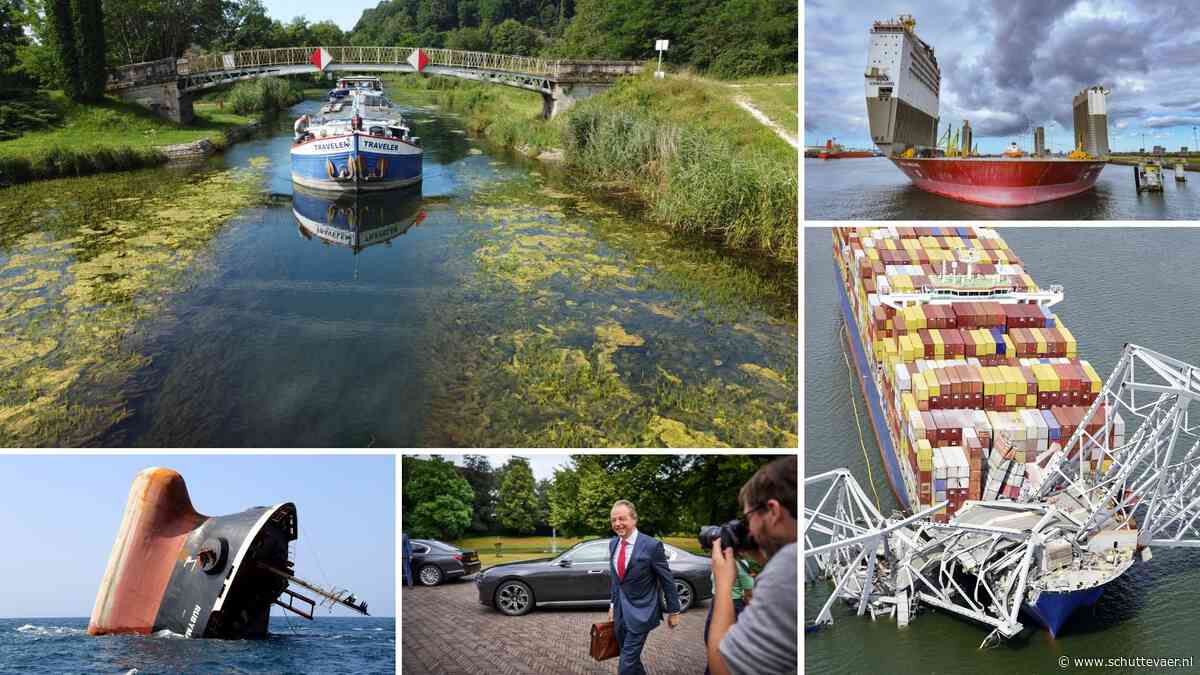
(640, 575)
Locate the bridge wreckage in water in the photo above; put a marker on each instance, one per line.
(1100, 506)
(174, 569)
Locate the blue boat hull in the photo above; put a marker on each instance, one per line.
(871, 393)
(356, 163)
(1053, 609)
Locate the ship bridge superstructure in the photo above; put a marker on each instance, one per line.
(1091, 508)
(903, 86)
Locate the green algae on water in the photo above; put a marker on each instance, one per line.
(78, 275)
(593, 340)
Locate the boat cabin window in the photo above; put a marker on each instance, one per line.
(376, 131)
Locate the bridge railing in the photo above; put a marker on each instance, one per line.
(290, 56)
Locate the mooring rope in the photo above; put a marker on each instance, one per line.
(857, 422)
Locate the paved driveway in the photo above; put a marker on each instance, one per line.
(445, 630)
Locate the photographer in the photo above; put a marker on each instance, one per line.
(763, 639)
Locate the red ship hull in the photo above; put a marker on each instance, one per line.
(845, 155)
(1002, 182)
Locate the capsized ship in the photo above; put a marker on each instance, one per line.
(971, 383)
(356, 221)
(903, 86)
(174, 569)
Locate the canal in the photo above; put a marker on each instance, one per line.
(873, 188)
(498, 305)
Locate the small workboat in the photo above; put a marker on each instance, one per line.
(373, 149)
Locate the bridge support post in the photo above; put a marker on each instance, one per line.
(163, 98)
(567, 94)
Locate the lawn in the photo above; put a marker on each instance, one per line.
(113, 122)
(516, 549)
(777, 97)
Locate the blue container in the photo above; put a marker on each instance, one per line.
(1055, 430)
(939, 484)
(964, 232)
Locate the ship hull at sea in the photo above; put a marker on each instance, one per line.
(1001, 182)
(1052, 610)
(173, 569)
(870, 391)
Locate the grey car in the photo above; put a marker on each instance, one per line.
(435, 561)
(580, 577)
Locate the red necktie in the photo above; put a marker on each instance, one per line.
(621, 561)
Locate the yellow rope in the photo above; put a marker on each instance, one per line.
(858, 423)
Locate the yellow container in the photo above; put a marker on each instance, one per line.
(1072, 345)
(920, 387)
(989, 381)
(908, 402)
(1040, 339)
(939, 348)
(1030, 400)
(1096, 382)
(1010, 399)
(931, 379)
(1010, 347)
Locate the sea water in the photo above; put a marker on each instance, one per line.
(327, 645)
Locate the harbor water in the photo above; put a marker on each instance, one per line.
(327, 645)
(874, 189)
(1121, 285)
(495, 305)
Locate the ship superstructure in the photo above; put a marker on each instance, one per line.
(903, 86)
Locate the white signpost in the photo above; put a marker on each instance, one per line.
(661, 46)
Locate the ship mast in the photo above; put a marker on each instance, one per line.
(332, 597)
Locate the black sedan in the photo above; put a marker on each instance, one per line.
(580, 577)
(434, 561)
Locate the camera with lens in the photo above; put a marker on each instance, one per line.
(733, 535)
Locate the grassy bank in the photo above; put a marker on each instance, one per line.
(80, 139)
(680, 146)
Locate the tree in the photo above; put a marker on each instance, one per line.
(468, 40)
(62, 39)
(89, 45)
(326, 34)
(250, 27)
(512, 37)
(517, 508)
(477, 471)
(436, 501)
(12, 34)
(565, 514)
(541, 494)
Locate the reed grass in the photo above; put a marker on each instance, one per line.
(698, 162)
(61, 162)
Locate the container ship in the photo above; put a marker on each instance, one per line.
(835, 151)
(173, 569)
(970, 379)
(903, 85)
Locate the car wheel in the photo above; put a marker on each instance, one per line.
(684, 590)
(430, 575)
(514, 598)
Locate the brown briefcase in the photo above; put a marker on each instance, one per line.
(604, 641)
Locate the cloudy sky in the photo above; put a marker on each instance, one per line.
(1010, 65)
